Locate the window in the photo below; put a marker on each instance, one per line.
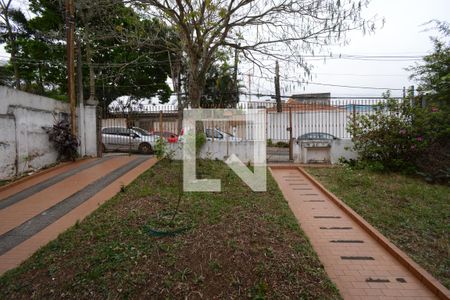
(109, 130)
(123, 131)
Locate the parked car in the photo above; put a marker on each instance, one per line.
(122, 139)
(316, 136)
(142, 131)
(220, 135)
(170, 137)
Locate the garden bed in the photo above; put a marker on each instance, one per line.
(232, 244)
(413, 214)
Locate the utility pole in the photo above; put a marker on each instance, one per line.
(80, 95)
(80, 98)
(236, 61)
(249, 87)
(277, 87)
(70, 29)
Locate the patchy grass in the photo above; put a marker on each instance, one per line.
(232, 244)
(413, 214)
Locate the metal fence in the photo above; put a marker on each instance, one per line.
(297, 118)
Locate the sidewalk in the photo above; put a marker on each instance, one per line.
(34, 211)
(358, 261)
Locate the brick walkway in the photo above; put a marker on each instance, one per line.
(34, 211)
(357, 263)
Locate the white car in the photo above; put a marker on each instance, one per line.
(125, 139)
(220, 135)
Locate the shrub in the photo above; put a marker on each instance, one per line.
(403, 136)
(160, 148)
(63, 140)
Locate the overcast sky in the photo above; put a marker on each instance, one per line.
(402, 34)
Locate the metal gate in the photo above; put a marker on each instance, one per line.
(134, 131)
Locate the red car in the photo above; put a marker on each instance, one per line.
(170, 137)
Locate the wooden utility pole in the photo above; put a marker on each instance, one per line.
(236, 61)
(277, 87)
(249, 87)
(80, 94)
(70, 29)
(291, 140)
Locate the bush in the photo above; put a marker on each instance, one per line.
(400, 136)
(63, 140)
(160, 148)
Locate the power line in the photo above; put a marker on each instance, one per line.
(361, 75)
(333, 85)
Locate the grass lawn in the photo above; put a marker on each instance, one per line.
(413, 214)
(239, 244)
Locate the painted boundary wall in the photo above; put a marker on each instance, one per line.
(221, 150)
(24, 144)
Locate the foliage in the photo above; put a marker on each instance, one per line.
(200, 140)
(412, 135)
(259, 30)
(221, 90)
(400, 136)
(160, 148)
(385, 136)
(112, 33)
(433, 75)
(63, 140)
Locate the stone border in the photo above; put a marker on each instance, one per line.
(435, 286)
(37, 174)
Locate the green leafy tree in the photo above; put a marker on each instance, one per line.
(221, 89)
(115, 59)
(412, 134)
(433, 75)
(12, 23)
(260, 30)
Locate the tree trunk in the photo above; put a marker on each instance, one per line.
(91, 73)
(195, 93)
(196, 80)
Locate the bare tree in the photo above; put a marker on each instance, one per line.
(280, 29)
(6, 12)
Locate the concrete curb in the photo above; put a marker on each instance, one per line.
(435, 286)
(40, 173)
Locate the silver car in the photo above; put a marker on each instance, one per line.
(125, 139)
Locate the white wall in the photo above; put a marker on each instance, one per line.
(340, 148)
(24, 144)
(87, 130)
(244, 151)
(221, 150)
(329, 121)
(7, 146)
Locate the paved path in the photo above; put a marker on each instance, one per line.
(34, 211)
(357, 263)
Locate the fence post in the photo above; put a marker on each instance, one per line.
(128, 122)
(354, 115)
(160, 123)
(99, 111)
